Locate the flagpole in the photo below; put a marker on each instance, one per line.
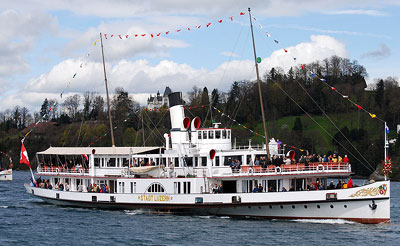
(386, 148)
(33, 177)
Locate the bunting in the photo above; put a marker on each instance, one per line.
(315, 75)
(108, 36)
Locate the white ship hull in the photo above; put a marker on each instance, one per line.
(6, 175)
(366, 204)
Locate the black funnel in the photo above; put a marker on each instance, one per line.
(175, 98)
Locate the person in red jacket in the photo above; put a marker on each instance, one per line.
(345, 159)
(350, 183)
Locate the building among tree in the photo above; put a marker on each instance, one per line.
(157, 101)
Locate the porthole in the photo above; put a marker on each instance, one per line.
(259, 207)
(293, 206)
(318, 206)
(305, 206)
(331, 206)
(270, 206)
(249, 207)
(281, 207)
(345, 206)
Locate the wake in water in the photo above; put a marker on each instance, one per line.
(325, 221)
(3, 206)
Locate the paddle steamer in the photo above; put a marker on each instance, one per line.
(182, 175)
(199, 171)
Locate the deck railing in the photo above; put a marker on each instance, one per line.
(52, 170)
(299, 167)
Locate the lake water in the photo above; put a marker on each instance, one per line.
(25, 220)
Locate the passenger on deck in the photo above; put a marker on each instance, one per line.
(345, 159)
(344, 186)
(215, 189)
(331, 185)
(220, 189)
(61, 187)
(291, 188)
(350, 183)
(325, 159)
(260, 188)
(255, 190)
(57, 186)
(334, 158)
(284, 189)
(340, 159)
(66, 187)
(339, 185)
(287, 161)
(80, 188)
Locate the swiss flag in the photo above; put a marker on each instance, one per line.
(24, 156)
(86, 157)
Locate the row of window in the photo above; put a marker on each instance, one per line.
(214, 134)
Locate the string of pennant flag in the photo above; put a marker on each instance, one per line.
(41, 120)
(319, 77)
(252, 131)
(165, 33)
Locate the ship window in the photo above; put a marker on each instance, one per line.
(176, 162)
(96, 162)
(217, 161)
(305, 206)
(204, 161)
(177, 187)
(223, 134)
(345, 206)
(196, 161)
(186, 187)
(218, 134)
(228, 134)
(204, 134)
(125, 162)
(111, 162)
(271, 185)
(156, 188)
(189, 161)
(199, 135)
(211, 134)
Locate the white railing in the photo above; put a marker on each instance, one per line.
(318, 167)
(61, 170)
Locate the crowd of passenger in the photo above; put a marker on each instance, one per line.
(278, 160)
(98, 189)
(341, 184)
(45, 184)
(64, 167)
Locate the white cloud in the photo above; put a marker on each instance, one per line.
(138, 8)
(142, 78)
(19, 31)
(229, 54)
(358, 12)
(320, 47)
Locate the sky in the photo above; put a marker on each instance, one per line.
(51, 49)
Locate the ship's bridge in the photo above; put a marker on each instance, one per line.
(217, 138)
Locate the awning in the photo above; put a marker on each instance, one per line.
(99, 150)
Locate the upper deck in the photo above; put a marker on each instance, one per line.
(299, 169)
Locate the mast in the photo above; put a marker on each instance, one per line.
(108, 98)
(259, 90)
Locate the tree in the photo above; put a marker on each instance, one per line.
(379, 93)
(44, 109)
(215, 98)
(205, 99)
(17, 117)
(98, 108)
(71, 104)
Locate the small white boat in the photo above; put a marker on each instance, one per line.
(6, 175)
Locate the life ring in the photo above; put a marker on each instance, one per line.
(320, 166)
(277, 170)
